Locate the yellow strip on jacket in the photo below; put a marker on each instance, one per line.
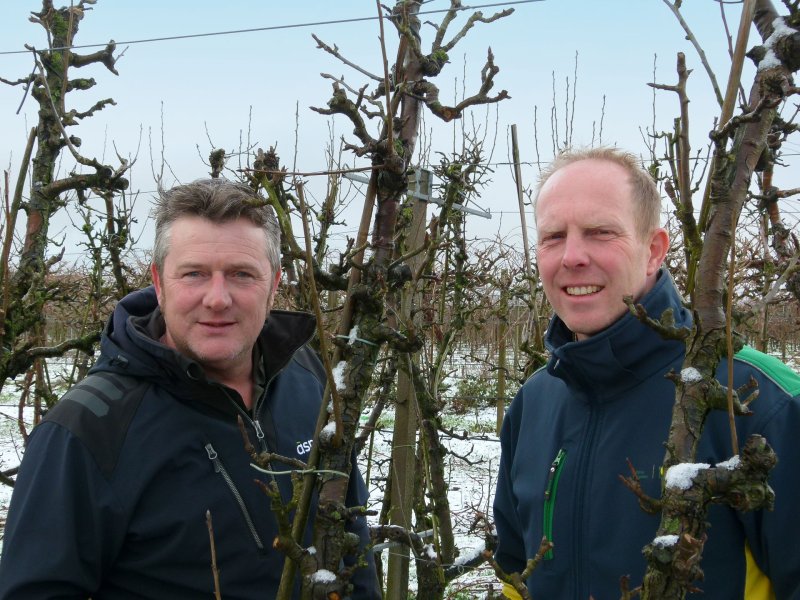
(757, 586)
(510, 593)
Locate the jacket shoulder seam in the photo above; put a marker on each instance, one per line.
(98, 411)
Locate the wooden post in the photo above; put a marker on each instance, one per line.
(529, 274)
(502, 334)
(405, 430)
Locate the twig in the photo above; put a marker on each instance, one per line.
(214, 569)
(787, 193)
(754, 115)
(309, 173)
(649, 505)
(729, 339)
(684, 204)
(300, 471)
(665, 326)
(57, 118)
(335, 52)
(314, 297)
(410, 254)
(389, 117)
(476, 17)
(358, 93)
(730, 96)
(690, 36)
(31, 80)
(517, 580)
(769, 298)
(6, 476)
(11, 212)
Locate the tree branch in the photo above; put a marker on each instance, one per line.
(674, 7)
(335, 52)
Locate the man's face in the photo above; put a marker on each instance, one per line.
(589, 252)
(215, 292)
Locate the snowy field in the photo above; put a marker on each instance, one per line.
(10, 452)
(472, 474)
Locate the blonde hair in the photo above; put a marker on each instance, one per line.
(645, 196)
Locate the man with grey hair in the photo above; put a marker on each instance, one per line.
(603, 399)
(113, 493)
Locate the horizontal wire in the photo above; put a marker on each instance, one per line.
(272, 27)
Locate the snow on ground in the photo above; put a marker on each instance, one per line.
(472, 474)
(10, 452)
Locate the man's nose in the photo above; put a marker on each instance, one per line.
(576, 253)
(217, 296)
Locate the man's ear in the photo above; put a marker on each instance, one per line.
(276, 279)
(156, 281)
(659, 244)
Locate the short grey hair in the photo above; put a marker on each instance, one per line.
(646, 197)
(219, 201)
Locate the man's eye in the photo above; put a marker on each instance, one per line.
(551, 237)
(243, 275)
(192, 274)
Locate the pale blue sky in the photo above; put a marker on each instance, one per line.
(212, 82)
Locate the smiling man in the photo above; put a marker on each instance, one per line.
(113, 491)
(603, 399)
(215, 289)
(595, 244)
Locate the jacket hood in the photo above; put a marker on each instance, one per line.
(625, 354)
(130, 346)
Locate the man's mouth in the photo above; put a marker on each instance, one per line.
(216, 324)
(582, 290)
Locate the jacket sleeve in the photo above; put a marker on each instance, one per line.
(772, 535)
(365, 578)
(510, 553)
(60, 530)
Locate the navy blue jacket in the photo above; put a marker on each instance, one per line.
(112, 494)
(601, 401)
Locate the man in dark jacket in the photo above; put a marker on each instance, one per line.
(116, 483)
(603, 399)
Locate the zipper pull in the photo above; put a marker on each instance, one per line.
(552, 474)
(262, 439)
(213, 457)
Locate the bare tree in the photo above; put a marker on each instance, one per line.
(742, 145)
(376, 269)
(33, 281)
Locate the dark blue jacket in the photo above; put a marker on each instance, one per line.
(112, 494)
(599, 402)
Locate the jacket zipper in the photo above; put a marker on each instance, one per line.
(260, 436)
(550, 498)
(253, 420)
(220, 468)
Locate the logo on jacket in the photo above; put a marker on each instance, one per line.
(304, 447)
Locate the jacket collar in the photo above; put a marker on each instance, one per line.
(622, 356)
(130, 344)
